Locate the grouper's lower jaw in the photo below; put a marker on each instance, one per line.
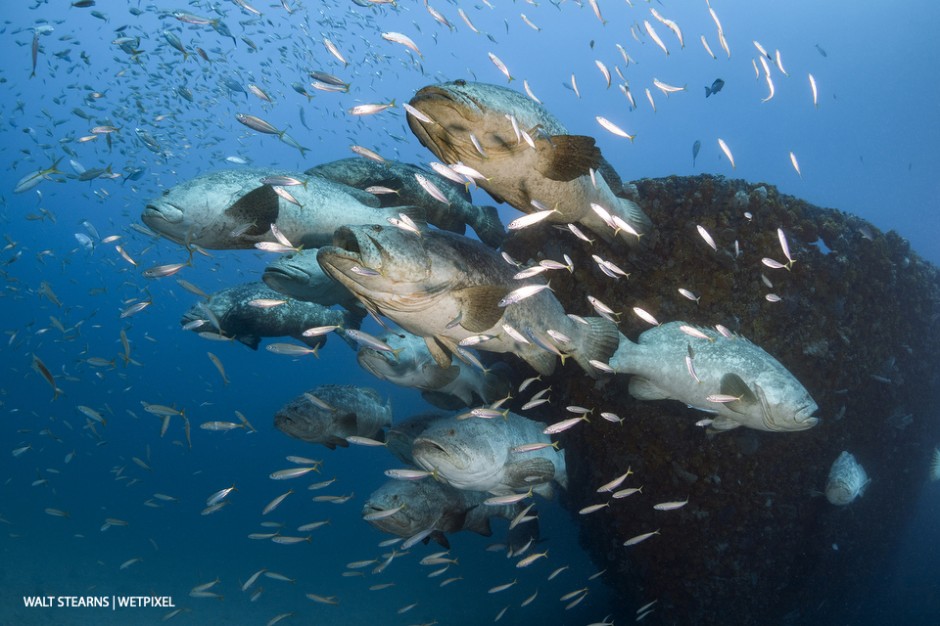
(165, 213)
(286, 273)
(163, 221)
(804, 418)
(338, 263)
(189, 317)
(373, 362)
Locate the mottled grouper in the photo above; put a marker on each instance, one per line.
(447, 289)
(524, 153)
(726, 375)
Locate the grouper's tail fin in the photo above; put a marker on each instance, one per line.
(631, 213)
(488, 227)
(598, 343)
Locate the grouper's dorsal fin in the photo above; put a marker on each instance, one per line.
(734, 385)
(566, 157)
(259, 207)
(480, 306)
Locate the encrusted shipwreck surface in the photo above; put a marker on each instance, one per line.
(857, 324)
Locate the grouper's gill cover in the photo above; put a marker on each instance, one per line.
(445, 288)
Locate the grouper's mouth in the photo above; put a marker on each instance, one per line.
(371, 507)
(804, 416)
(287, 273)
(429, 445)
(423, 447)
(339, 259)
(801, 419)
(166, 212)
(355, 254)
(379, 364)
(395, 523)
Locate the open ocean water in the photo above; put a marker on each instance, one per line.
(869, 147)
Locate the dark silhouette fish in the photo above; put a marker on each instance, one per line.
(695, 148)
(715, 88)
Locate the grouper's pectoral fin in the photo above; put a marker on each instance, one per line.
(259, 207)
(566, 157)
(453, 518)
(332, 442)
(440, 538)
(479, 525)
(530, 473)
(480, 306)
(441, 356)
(436, 377)
(734, 385)
(721, 424)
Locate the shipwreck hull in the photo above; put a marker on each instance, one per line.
(857, 324)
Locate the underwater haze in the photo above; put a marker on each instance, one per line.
(101, 498)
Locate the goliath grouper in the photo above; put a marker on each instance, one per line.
(482, 126)
(330, 413)
(406, 508)
(726, 375)
(233, 209)
(400, 178)
(477, 455)
(447, 289)
(410, 364)
(239, 314)
(299, 276)
(847, 480)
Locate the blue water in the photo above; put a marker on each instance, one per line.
(870, 148)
